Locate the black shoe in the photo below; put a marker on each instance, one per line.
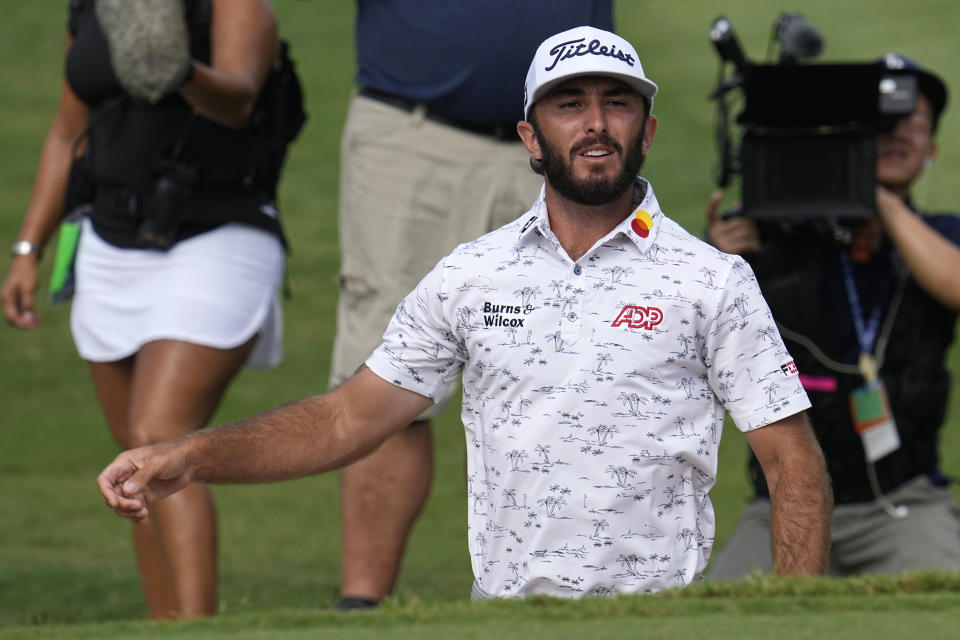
(347, 603)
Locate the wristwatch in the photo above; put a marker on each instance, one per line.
(24, 248)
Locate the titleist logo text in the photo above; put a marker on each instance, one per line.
(566, 50)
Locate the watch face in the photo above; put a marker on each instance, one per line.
(23, 248)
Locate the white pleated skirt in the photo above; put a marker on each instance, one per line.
(217, 289)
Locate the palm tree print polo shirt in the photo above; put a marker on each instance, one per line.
(594, 394)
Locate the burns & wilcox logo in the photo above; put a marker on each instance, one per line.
(637, 317)
(573, 48)
(499, 315)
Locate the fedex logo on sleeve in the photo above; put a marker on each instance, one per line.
(637, 317)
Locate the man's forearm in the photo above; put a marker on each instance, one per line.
(300, 438)
(802, 501)
(307, 436)
(800, 522)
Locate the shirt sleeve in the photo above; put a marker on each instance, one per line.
(946, 225)
(421, 351)
(749, 368)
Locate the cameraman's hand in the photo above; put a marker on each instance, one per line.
(18, 292)
(736, 235)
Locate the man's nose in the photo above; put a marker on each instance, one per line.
(595, 119)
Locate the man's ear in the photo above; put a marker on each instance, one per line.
(649, 131)
(529, 138)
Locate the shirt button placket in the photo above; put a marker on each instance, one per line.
(571, 315)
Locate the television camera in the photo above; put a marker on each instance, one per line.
(807, 132)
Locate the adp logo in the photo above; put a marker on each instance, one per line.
(637, 317)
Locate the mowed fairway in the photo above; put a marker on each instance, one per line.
(66, 564)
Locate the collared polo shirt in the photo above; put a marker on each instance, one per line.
(594, 395)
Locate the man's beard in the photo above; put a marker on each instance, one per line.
(592, 190)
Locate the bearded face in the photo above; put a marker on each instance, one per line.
(596, 187)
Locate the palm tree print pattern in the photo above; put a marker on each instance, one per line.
(591, 448)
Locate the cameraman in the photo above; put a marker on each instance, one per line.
(897, 272)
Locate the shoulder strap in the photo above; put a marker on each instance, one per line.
(278, 118)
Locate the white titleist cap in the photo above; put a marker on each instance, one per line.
(583, 51)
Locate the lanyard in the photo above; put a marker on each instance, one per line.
(866, 330)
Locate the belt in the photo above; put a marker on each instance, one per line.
(506, 132)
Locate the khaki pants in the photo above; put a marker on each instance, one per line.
(864, 537)
(410, 191)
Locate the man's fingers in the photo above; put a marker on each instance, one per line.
(115, 473)
(132, 485)
(138, 478)
(130, 506)
(126, 506)
(120, 487)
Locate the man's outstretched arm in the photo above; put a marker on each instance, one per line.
(800, 494)
(301, 438)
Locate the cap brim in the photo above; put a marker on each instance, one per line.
(644, 87)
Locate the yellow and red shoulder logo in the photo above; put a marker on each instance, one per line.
(641, 223)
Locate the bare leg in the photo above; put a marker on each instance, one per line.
(112, 381)
(381, 497)
(173, 390)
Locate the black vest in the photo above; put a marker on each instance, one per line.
(131, 144)
(803, 283)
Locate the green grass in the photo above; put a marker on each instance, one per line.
(66, 564)
(927, 607)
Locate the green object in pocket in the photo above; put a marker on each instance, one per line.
(62, 279)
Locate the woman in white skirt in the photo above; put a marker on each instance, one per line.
(164, 325)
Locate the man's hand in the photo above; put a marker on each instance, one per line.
(139, 477)
(736, 235)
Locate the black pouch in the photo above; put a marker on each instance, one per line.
(278, 118)
(161, 209)
(174, 180)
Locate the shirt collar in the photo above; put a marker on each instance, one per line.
(640, 227)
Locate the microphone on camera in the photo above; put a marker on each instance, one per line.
(798, 38)
(724, 38)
